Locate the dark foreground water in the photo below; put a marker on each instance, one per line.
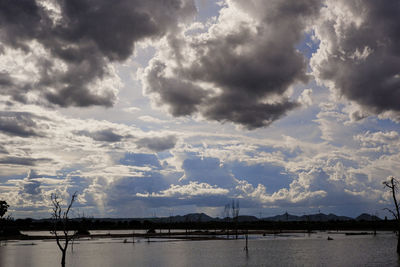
(283, 250)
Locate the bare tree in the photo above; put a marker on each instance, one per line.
(61, 222)
(235, 215)
(393, 185)
(226, 217)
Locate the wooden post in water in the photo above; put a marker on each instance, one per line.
(247, 241)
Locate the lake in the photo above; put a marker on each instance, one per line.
(270, 250)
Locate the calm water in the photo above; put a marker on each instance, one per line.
(284, 250)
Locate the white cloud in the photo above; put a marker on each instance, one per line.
(192, 189)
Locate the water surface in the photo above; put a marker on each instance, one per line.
(270, 250)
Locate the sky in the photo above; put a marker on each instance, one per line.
(158, 108)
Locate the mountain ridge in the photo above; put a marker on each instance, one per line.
(285, 217)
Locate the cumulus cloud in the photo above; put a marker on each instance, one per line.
(30, 186)
(295, 194)
(240, 69)
(192, 189)
(306, 97)
(379, 143)
(359, 54)
(69, 45)
(378, 138)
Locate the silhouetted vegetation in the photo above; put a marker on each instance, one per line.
(201, 224)
(211, 226)
(7, 227)
(393, 186)
(61, 223)
(3, 208)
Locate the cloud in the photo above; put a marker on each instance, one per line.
(240, 69)
(182, 97)
(306, 97)
(379, 138)
(30, 186)
(106, 135)
(150, 119)
(359, 54)
(70, 44)
(131, 109)
(193, 189)
(379, 143)
(20, 124)
(24, 161)
(157, 144)
(141, 160)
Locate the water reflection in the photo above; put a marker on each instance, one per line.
(278, 250)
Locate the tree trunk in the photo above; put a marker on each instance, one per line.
(398, 242)
(63, 258)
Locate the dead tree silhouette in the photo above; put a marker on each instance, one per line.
(235, 215)
(61, 222)
(393, 185)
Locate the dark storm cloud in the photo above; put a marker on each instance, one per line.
(20, 124)
(250, 113)
(182, 97)
(157, 144)
(85, 36)
(362, 52)
(252, 67)
(106, 135)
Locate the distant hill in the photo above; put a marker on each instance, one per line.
(244, 218)
(321, 217)
(367, 217)
(324, 218)
(202, 217)
(286, 217)
(191, 217)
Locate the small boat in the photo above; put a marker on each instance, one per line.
(330, 238)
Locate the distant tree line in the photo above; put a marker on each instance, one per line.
(84, 224)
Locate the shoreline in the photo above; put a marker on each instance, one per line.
(196, 235)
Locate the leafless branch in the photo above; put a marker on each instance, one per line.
(392, 212)
(393, 185)
(60, 218)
